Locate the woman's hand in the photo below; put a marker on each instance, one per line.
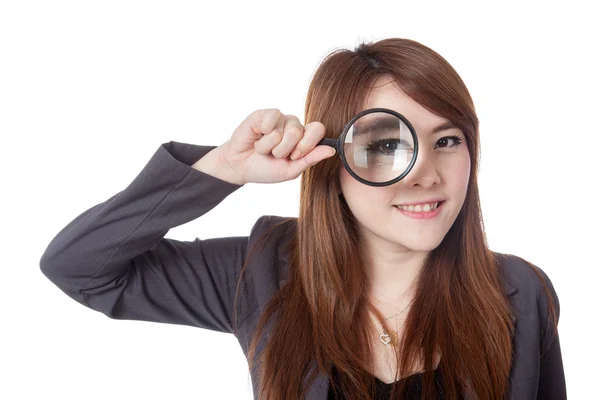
(269, 147)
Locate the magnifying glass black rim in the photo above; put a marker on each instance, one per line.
(340, 146)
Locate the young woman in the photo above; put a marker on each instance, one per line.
(383, 287)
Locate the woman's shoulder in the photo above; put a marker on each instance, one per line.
(268, 252)
(272, 236)
(277, 227)
(523, 275)
(269, 221)
(531, 290)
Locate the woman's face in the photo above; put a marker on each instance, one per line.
(441, 172)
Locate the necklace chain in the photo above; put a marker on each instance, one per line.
(399, 312)
(387, 338)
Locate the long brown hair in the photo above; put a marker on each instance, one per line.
(460, 309)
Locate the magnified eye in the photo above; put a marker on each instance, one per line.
(386, 146)
(379, 147)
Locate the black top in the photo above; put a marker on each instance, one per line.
(413, 387)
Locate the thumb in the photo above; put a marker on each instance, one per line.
(316, 155)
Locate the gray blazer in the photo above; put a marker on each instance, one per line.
(113, 258)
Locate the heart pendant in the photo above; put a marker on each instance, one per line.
(385, 338)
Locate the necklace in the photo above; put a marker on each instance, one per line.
(387, 338)
(391, 337)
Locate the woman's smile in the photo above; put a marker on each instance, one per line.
(421, 212)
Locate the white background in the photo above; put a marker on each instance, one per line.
(89, 91)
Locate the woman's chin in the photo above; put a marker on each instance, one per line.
(419, 244)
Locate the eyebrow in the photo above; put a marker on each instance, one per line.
(444, 126)
(392, 122)
(381, 123)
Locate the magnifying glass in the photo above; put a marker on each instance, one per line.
(378, 146)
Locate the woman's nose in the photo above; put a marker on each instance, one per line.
(424, 172)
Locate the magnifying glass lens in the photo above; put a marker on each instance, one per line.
(378, 147)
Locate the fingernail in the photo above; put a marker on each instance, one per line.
(296, 154)
(334, 151)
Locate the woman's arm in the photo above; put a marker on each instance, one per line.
(114, 258)
(551, 383)
(552, 377)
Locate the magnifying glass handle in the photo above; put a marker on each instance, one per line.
(329, 142)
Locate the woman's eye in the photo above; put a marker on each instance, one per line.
(390, 146)
(444, 141)
(385, 146)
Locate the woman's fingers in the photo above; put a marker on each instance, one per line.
(293, 132)
(313, 133)
(271, 127)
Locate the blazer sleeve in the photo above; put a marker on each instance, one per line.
(113, 258)
(551, 383)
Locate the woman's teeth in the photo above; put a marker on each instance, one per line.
(420, 207)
